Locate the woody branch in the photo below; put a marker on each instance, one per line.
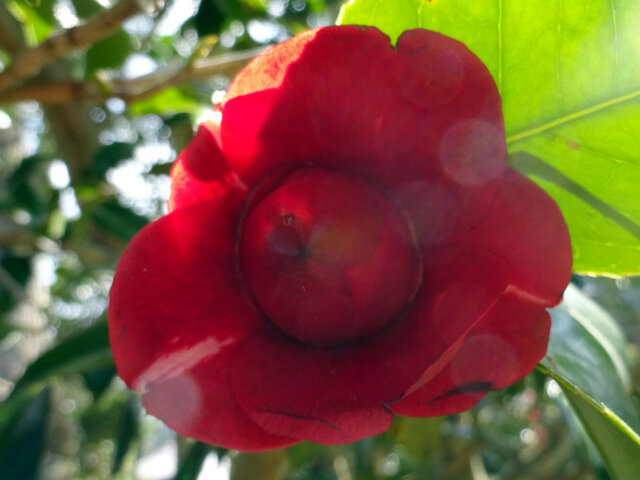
(97, 91)
(28, 62)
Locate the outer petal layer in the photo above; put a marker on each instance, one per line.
(502, 349)
(525, 228)
(403, 102)
(201, 172)
(340, 395)
(423, 124)
(426, 111)
(176, 313)
(175, 287)
(199, 403)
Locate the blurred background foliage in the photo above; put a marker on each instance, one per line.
(88, 128)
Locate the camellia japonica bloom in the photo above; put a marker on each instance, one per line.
(345, 242)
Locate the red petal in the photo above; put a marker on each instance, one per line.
(176, 313)
(199, 403)
(502, 349)
(428, 107)
(175, 299)
(293, 390)
(201, 173)
(340, 395)
(525, 227)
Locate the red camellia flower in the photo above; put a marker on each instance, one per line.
(345, 243)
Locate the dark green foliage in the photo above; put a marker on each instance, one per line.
(22, 441)
(109, 52)
(29, 189)
(214, 14)
(209, 19)
(17, 270)
(99, 379)
(117, 220)
(192, 462)
(86, 350)
(86, 8)
(128, 432)
(109, 156)
(44, 8)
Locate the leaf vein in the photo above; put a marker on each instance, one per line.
(419, 13)
(558, 69)
(615, 41)
(572, 117)
(499, 45)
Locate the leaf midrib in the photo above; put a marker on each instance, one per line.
(530, 132)
(571, 117)
(614, 417)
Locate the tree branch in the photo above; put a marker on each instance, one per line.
(134, 89)
(28, 62)
(75, 134)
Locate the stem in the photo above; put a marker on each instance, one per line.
(27, 62)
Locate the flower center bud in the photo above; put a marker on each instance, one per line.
(328, 257)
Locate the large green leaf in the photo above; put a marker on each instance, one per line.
(586, 356)
(567, 73)
(619, 448)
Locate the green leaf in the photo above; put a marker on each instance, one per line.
(36, 27)
(109, 52)
(619, 448)
(192, 463)
(567, 73)
(586, 357)
(109, 156)
(29, 186)
(15, 271)
(84, 351)
(99, 379)
(169, 101)
(181, 125)
(5, 328)
(22, 441)
(44, 8)
(129, 429)
(11, 408)
(212, 15)
(119, 221)
(86, 8)
(161, 169)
